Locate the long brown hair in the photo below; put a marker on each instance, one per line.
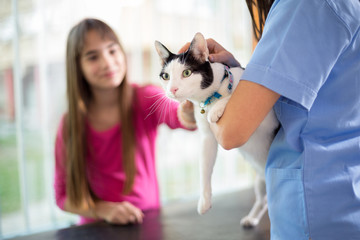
(79, 96)
(259, 10)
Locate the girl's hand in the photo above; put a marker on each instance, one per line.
(118, 213)
(186, 114)
(217, 53)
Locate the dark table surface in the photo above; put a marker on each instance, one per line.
(176, 221)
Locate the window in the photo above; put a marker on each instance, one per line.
(33, 98)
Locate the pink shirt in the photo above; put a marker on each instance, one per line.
(104, 168)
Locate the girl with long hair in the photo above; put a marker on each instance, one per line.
(105, 144)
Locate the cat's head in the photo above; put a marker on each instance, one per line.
(186, 75)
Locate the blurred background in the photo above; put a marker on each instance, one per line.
(32, 95)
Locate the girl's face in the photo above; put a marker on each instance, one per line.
(102, 62)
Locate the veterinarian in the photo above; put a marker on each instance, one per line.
(307, 67)
(105, 144)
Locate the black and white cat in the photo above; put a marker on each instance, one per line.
(190, 76)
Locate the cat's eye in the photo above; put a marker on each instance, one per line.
(165, 76)
(186, 73)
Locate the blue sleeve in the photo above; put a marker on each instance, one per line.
(301, 42)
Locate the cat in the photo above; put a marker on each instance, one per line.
(190, 76)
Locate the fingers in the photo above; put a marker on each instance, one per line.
(126, 213)
(187, 106)
(119, 213)
(134, 214)
(186, 114)
(214, 47)
(184, 48)
(217, 53)
(224, 57)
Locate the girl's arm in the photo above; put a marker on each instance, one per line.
(116, 213)
(186, 115)
(112, 212)
(160, 109)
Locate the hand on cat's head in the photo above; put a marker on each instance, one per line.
(217, 53)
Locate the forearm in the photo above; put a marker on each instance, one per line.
(246, 109)
(85, 212)
(112, 212)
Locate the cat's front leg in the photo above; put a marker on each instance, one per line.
(217, 110)
(209, 149)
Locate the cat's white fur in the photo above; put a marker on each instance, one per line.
(255, 150)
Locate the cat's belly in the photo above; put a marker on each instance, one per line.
(256, 149)
(258, 163)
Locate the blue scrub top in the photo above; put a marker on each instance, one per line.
(310, 54)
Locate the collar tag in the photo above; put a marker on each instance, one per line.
(208, 101)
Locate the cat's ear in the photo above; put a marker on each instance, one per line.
(198, 48)
(163, 52)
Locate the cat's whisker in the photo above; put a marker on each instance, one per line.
(168, 110)
(169, 113)
(157, 101)
(175, 116)
(153, 108)
(155, 95)
(162, 113)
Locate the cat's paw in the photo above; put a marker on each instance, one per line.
(249, 222)
(217, 110)
(215, 115)
(204, 205)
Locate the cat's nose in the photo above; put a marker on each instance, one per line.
(174, 89)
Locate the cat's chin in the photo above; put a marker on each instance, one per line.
(178, 99)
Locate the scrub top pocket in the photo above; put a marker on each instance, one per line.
(286, 203)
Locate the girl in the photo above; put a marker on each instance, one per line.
(105, 144)
(307, 66)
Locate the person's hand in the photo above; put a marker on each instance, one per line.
(217, 53)
(118, 212)
(186, 114)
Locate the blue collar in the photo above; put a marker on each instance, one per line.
(211, 98)
(227, 74)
